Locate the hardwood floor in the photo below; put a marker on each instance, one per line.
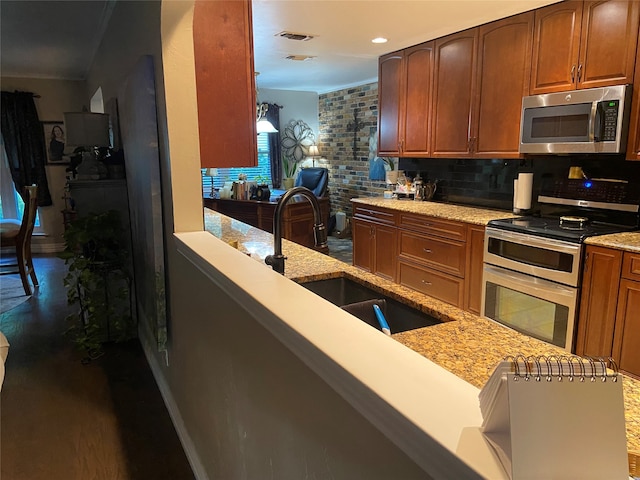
(61, 419)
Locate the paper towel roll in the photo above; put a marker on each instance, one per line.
(523, 195)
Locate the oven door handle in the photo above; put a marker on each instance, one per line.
(531, 240)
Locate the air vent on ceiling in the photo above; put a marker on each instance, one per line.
(300, 37)
(299, 58)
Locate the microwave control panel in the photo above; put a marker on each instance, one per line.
(609, 119)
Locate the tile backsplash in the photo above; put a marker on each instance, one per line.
(489, 182)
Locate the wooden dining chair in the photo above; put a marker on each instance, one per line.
(15, 233)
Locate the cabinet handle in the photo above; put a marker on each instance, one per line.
(428, 284)
(579, 72)
(427, 250)
(573, 73)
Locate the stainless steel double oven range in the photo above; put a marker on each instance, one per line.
(533, 264)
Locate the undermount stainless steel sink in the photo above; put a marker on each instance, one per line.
(344, 291)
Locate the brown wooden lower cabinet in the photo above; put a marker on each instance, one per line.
(474, 268)
(609, 323)
(438, 257)
(600, 281)
(431, 282)
(297, 218)
(626, 342)
(374, 247)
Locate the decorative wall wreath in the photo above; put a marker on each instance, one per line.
(297, 137)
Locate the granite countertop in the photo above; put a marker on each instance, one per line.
(629, 241)
(474, 215)
(464, 343)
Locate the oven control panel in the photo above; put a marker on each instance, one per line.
(594, 190)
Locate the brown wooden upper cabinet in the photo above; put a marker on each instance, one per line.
(453, 94)
(584, 45)
(225, 83)
(404, 110)
(504, 67)
(481, 75)
(633, 145)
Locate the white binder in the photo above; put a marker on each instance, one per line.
(556, 418)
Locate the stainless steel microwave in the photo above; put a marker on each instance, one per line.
(594, 120)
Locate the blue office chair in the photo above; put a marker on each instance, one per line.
(315, 179)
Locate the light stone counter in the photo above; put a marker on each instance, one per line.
(474, 215)
(464, 344)
(629, 242)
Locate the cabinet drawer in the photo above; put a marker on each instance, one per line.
(379, 215)
(438, 253)
(631, 266)
(433, 226)
(433, 283)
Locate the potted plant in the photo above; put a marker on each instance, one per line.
(97, 282)
(262, 191)
(290, 166)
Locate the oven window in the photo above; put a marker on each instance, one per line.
(532, 316)
(536, 256)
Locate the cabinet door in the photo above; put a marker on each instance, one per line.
(504, 68)
(417, 112)
(633, 145)
(475, 264)
(432, 282)
(608, 43)
(454, 89)
(556, 47)
(390, 106)
(601, 278)
(385, 257)
(362, 244)
(223, 42)
(626, 345)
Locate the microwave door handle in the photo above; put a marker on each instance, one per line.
(593, 119)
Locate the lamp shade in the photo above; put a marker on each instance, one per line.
(313, 151)
(265, 126)
(86, 129)
(211, 172)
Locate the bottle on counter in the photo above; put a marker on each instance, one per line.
(417, 188)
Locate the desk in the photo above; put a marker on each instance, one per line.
(297, 219)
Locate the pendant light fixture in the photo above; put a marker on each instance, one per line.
(262, 124)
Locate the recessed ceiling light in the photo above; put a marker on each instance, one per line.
(379, 40)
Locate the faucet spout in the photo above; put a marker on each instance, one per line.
(319, 231)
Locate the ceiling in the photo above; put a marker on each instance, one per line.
(58, 39)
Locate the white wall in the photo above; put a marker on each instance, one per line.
(297, 105)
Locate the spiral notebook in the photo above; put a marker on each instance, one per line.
(556, 417)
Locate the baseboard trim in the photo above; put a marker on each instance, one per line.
(178, 423)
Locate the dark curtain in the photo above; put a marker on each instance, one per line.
(24, 142)
(273, 115)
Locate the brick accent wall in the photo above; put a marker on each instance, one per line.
(348, 176)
